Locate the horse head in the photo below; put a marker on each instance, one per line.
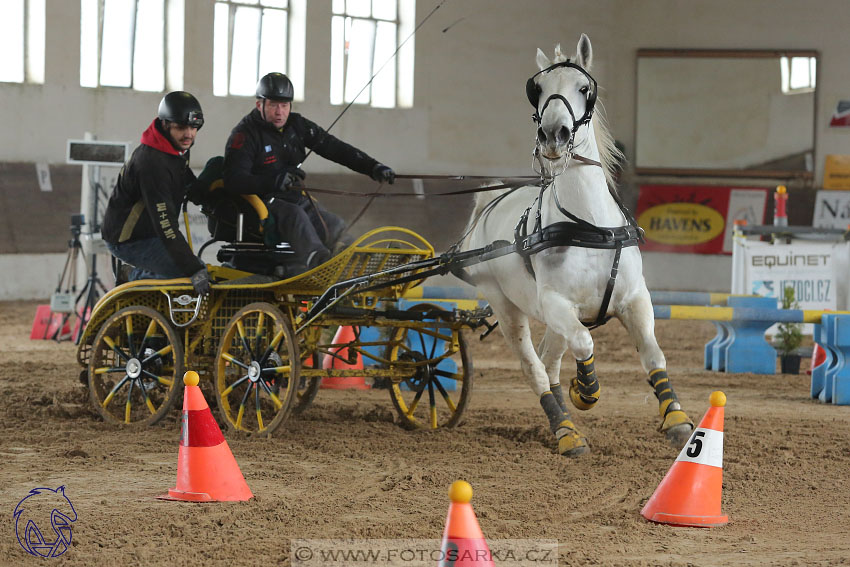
(564, 95)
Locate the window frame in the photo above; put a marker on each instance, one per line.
(403, 57)
(294, 57)
(32, 54)
(173, 37)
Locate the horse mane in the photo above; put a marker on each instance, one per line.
(610, 156)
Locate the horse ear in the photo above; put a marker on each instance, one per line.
(542, 60)
(584, 52)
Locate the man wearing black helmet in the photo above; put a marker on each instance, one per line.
(140, 226)
(263, 155)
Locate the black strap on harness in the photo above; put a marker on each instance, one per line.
(578, 233)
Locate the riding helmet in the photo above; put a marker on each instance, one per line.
(275, 86)
(181, 107)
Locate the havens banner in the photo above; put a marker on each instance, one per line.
(696, 219)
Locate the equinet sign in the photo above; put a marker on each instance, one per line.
(790, 260)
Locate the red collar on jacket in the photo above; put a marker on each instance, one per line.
(154, 138)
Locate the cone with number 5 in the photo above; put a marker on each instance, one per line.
(690, 493)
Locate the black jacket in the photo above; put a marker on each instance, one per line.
(257, 152)
(147, 198)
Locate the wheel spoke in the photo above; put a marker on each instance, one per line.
(260, 426)
(242, 406)
(450, 375)
(128, 405)
(128, 325)
(433, 404)
(277, 403)
(414, 403)
(161, 379)
(159, 354)
(433, 348)
(272, 347)
(111, 344)
(446, 396)
(226, 391)
(230, 358)
(261, 331)
(107, 369)
(114, 391)
(150, 330)
(243, 339)
(278, 369)
(148, 401)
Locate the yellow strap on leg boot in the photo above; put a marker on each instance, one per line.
(675, 422)
(585, 388)
(571, 443)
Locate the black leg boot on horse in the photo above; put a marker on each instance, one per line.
(571, 443)
(584, 388)
(676, 424)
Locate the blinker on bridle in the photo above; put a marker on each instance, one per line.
(533, 92)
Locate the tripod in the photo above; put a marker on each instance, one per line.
(93, 283)
(61, 301)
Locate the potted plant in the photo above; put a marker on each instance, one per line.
(789, 336)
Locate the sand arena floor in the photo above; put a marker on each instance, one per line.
(345, 470)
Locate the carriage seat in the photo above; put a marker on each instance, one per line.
(251, 253)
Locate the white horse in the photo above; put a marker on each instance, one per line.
(576, 154)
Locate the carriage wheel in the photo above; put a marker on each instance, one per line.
(308, 388)
(257, 369)
(426, 399)
(135, 367)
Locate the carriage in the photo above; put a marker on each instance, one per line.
(261, 342)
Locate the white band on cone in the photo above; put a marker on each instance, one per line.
(705, 447)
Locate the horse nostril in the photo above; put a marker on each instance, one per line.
(541, 135)
(563, 135)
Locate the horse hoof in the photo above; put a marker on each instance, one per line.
(679, 434)
(677, 426)
(582, 401)
(572, 444)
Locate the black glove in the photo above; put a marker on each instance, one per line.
(201, 281)
(383, 174)
(292, 177)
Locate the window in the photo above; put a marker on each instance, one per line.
(255, 37)
(798, 74)
(22, 41)
(132, 43)
(364, 36)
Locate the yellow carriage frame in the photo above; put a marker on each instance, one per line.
(253, 341)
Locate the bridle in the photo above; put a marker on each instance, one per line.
(533, 92)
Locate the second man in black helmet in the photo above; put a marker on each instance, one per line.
(262, 157)
(140, 225)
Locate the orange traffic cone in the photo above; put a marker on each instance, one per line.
(206, 469)
(343, 335)
(690, 493)
(463, 541)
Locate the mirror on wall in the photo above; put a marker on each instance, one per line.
(727, 113)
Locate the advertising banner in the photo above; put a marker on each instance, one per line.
(832, 210)
(696, 219)
(836, 172)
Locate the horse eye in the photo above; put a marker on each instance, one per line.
(584, 89)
